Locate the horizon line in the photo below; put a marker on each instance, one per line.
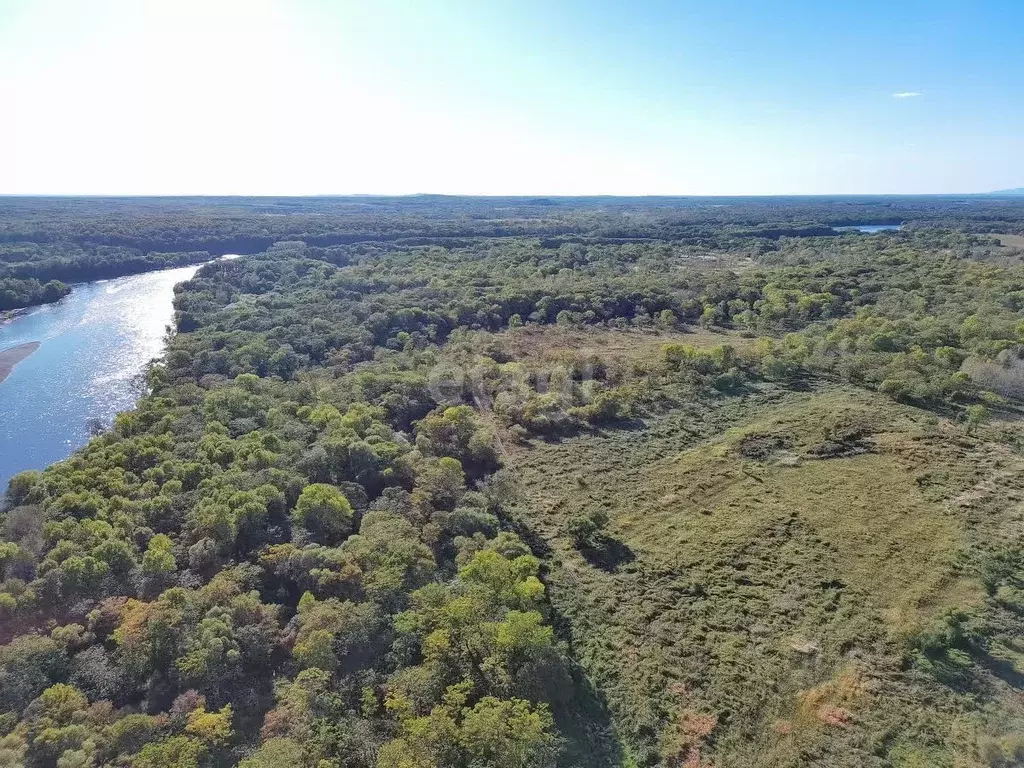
(1013, 192)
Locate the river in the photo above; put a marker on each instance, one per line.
(94, 346)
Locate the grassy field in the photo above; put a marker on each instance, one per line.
(1010, 241)
(885, 538)
(537, 343)
(768, 559)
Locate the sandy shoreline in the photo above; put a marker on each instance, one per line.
(6, 315)
(11, 357)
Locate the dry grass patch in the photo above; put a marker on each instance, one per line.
(539, 343)
(884, 537)
(1010, 241)
(757, 545)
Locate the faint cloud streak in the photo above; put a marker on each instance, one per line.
(907, 94)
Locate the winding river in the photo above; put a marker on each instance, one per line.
(93, 347)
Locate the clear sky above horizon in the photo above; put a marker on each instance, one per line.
(518, 97)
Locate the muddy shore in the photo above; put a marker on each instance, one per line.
(9, 358)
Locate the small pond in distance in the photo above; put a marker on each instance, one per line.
(870, 229)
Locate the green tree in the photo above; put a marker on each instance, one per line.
(276, 753)
(509, 734)
(586, 530)
(975, 416)
(324, 511)
(171, 752)
(212, 728)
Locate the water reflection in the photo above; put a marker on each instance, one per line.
(95, 345)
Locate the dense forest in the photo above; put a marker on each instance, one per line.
(442, 482)
(78, 239)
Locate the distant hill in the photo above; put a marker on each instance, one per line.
(1017, 191)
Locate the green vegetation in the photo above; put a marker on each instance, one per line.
(15, 294)
(79, 239)
(681, 490)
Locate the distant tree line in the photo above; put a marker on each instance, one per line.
(75, 240)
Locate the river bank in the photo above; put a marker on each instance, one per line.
(9, 358)
(96, 344)
(6, 315)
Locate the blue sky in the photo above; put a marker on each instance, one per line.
(495, 97)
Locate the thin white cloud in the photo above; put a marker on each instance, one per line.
(907, 94)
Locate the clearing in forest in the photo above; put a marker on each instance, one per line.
(763, 551)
